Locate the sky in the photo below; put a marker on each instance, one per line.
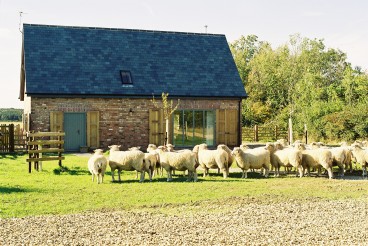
(341, 24)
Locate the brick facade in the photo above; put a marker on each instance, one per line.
(117, 124)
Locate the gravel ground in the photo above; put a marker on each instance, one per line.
(237, 221)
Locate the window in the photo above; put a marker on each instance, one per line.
(126, 77)
(192, 127)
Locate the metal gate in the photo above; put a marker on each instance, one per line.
(75, 131)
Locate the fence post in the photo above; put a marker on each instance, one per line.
(276, 133)
(11, 138)
(256, 133)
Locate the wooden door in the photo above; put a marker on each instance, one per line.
(56, 121)
(93, 128)
(227, 127)
(156, 127)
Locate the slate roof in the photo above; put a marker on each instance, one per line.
(71, 61)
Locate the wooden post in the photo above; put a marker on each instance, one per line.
(11, 138)
(306, 133)
(29, 147)
(256, 133)
(276, 133)
(59, 153)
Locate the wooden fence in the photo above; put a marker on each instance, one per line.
(40, 143)
(12, 139)
(263, 134)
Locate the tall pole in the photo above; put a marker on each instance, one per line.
(290, 131)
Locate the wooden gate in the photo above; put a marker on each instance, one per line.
(40, 143)
(12, 138)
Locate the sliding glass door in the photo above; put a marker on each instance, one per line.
(192, 127)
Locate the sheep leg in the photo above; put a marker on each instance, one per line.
(93, 177)
(169, 177)
(330, 173)
(190, 174)
(150, 173)
(224, 172)
(112, 175)
(205, 172)
(364, 169)
(341, 170)
(301, 171)
(266, 171)
(142, 176)
(195, 176)
(119, 175)
(277, 170)
(245, 174)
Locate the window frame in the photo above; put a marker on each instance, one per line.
(126, 74)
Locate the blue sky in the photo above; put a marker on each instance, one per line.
(341, 24)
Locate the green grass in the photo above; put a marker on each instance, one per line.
(54, 192)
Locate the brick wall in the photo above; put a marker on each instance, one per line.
(117, 124)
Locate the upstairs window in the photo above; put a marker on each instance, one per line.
(126, 77)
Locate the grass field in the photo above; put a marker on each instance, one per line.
(52, 192)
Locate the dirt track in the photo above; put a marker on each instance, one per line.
(238, 221)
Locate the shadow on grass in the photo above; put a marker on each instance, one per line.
(9, 156)
(178, 178)
(9, 190)
(68, 171)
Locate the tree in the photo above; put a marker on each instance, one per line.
(304, 77)
(168, 109)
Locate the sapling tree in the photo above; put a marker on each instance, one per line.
(168, 109)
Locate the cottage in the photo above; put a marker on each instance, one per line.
(97, 84)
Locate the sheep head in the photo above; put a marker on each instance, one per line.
(134, 148)
(237, 151)
(244, 147)
(114, 147)
(98, 151)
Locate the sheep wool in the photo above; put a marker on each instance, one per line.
(126, 160)
(97, 164)
(252, 158)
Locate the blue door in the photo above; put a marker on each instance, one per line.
(75, 131)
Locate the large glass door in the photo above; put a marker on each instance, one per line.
(192, 127)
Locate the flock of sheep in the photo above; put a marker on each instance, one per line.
(299, 156)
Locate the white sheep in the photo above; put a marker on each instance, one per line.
(208, 159)
(97, 164)
(181, 161)
(149, 162)
(127, 161)
(341, 156)
(152, 148)
(360, 155)
(252, 159)
(230, 157)
(315, 158)
(287, 157)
